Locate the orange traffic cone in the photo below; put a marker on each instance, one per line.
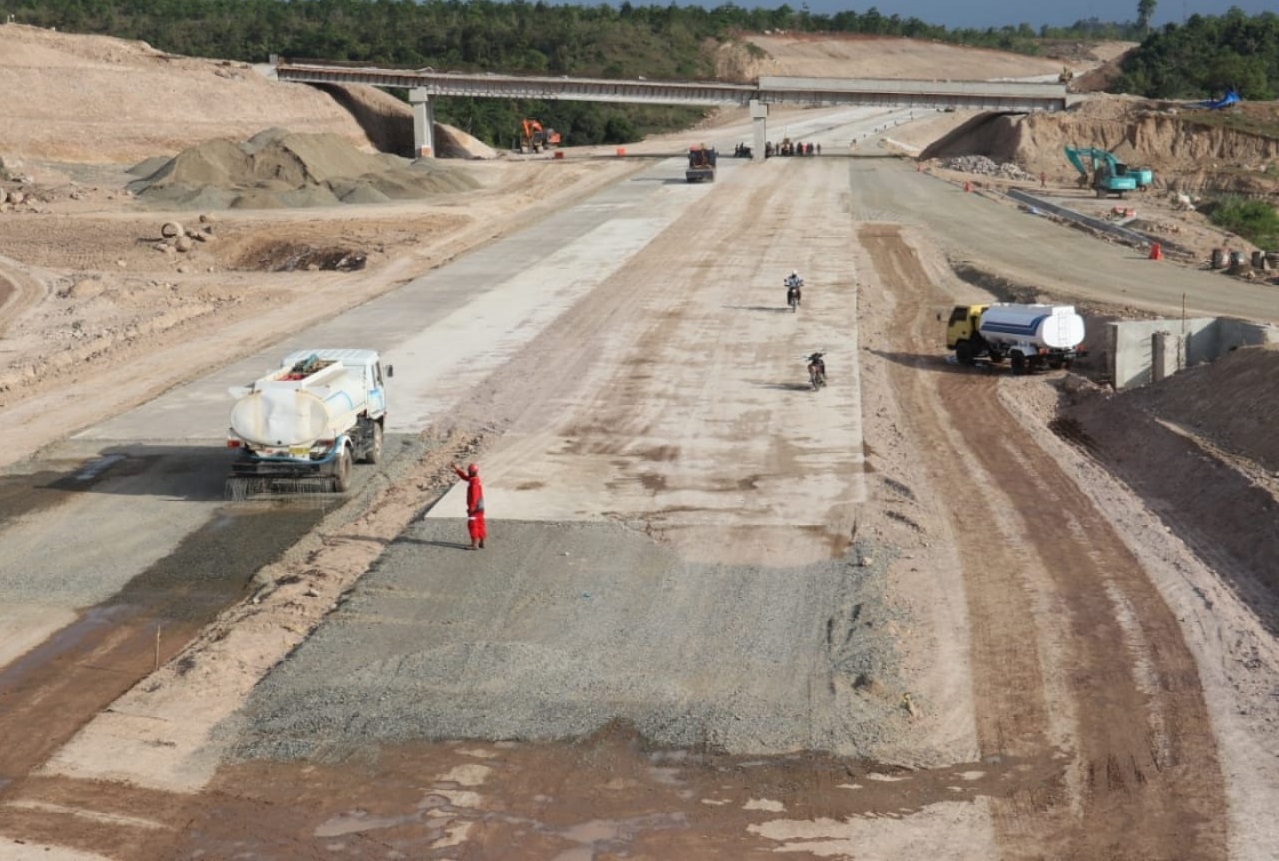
(1156, 251)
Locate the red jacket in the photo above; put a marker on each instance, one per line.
(474, 492)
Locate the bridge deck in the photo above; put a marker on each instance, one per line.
(980, 95)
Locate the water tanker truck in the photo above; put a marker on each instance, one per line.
(300, 427)
(1031, 337)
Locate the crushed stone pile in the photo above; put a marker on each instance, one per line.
(983, 166)
(278, 169)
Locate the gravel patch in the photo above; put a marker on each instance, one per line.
(556, 630)
(986, 166)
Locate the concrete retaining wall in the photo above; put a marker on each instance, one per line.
(1144, 351)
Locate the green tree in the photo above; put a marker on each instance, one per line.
(1145, 11)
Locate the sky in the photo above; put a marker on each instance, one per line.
(996, 13)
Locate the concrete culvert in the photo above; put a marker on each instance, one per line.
(172, 229)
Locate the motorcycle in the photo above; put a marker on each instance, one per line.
(816, 371)
(793, 296)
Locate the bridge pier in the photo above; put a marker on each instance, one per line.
(423, 123)
(759, 125)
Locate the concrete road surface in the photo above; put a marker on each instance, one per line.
(141, 494)
(674, 512)
(673, 401)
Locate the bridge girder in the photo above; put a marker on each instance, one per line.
(427, 84)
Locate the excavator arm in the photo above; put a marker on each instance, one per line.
(1077, 156)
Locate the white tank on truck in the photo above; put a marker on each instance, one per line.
(303, 424)
(1031, 337)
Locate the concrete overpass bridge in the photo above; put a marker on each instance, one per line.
(425, 85)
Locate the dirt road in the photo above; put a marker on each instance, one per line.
(1073, 648)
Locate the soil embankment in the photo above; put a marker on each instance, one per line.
(1202, 447)
(858, 56)
(1186, 154)
(97, 99)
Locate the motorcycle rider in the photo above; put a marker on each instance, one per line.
(817, 369)
(793, 285)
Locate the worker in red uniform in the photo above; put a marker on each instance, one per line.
(474, 504)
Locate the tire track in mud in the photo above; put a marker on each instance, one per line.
(1071, 641)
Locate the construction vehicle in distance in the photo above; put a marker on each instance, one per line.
(1230, 98)
(535, 138)
(1105, 173)
(1145, 177)
(701, 164)
(302, 425)
(1031, 337)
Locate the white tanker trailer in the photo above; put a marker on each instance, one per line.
(306, 422)
(1031, 337)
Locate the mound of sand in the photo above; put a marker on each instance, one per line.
(277, 168)
(452, 142)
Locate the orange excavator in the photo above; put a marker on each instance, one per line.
(535, 138)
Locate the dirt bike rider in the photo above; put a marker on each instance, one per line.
(793, 284)
(817, 367)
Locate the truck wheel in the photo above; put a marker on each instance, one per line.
(373, 454)
(342, 471)
(964, 353)
(1055, 364)
(1019, 363)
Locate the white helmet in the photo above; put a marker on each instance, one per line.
(794, 273)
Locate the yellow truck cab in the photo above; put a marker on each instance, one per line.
(963, 324)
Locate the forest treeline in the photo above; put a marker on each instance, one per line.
(1205, 56)
(623, 41)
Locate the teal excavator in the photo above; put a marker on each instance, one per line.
(1106, 174)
